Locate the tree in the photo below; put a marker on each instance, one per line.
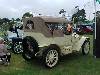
(18, 19)
(62, 11)
(1, 21)
(27, 14)
(97, 15)
(5, 20)
(80, 16)
(98, 1)
(4, 24)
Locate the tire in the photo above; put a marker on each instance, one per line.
(51, 57)
(17, 47)
(27, 55)
(30, 47)
(86, 47)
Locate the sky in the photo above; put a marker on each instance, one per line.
(16, 8)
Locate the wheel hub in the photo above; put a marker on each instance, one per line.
(18, 48)
(29, 46)
(51, 57)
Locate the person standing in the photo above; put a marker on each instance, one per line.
(69, 28)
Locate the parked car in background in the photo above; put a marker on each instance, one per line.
(84, 29)
(14, 38)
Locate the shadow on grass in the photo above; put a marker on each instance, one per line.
(70, 58)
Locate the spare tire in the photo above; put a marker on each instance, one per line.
(30, 47)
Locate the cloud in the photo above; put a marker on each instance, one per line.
(16, 8)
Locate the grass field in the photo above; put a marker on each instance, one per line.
(73, 64)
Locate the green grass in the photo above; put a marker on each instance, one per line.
(73, 64)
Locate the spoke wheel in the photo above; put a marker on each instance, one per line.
(17, 47)
(51, 57)
(86, 48)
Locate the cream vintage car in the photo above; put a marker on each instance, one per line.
(46, 37)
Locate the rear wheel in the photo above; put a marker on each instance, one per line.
(51, 57)
(30, 47)
(86, 47)
(27, 55)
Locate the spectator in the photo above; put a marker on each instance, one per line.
(69, 29)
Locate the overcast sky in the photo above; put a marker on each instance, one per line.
(16, 8)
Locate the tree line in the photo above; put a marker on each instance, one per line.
(5, 23)
(78, 17)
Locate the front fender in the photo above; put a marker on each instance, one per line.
(79, 44)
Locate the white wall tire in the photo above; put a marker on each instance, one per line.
(51, 57)
(86, 47)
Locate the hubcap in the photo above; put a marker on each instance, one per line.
(30, 48)
(29, 51)
(52, 58)
(18, 48)
(86, 47)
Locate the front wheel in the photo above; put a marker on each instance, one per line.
(51, 57)
(86, 47)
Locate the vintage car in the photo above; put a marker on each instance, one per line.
(43, 38)
(84, 29)
(13, 39)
